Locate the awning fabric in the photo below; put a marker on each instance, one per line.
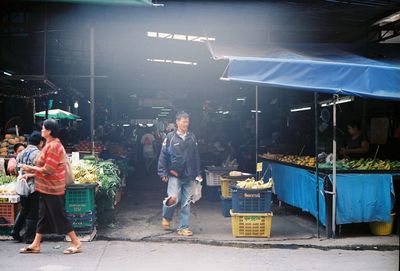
(102, 2)
(57, 114)
(315, 68)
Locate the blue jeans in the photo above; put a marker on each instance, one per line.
(182, 190)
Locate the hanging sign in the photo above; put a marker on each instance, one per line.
(259, 167)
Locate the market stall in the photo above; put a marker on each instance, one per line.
(104, 173)
(362, 195)
(316, 68)
(96, 192)
(9, 203)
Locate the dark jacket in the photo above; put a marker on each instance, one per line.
(180, 156)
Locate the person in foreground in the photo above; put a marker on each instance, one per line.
(49, 172)
(28, 214)
(179, 166)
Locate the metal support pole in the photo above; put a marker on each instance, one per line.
(45, 53)
(47, 109)
(335, 97)
(316, 157)
(256, 130)
(45, 41)
(34, 110)
(92, 131)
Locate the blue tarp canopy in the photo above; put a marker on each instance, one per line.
(322, 68)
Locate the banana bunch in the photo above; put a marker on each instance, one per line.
(235, 173)
(7, 190)
(251, 183)
(85, 174)
(370, 164)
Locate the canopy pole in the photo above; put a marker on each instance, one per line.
(256, 130)
(45, 41)
(46, 113)
(316, 157)
(45, 54)
(335, 97)
(92, 132)
(34, 111)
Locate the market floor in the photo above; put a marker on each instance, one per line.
(123, 255)
(138, 217)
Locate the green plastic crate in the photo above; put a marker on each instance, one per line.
(5, 231)
(79, 200)
(82, 220)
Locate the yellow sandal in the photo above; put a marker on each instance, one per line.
(166, 224)
(185, 232)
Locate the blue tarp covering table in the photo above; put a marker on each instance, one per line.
(360, 197)
(363, 197)
(296, 187)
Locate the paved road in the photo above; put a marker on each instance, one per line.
(119, 255)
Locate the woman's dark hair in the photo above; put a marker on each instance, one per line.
(52, 126)
(17, 145)
(354, 124)
(35, 138)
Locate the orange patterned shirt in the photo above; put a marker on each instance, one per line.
(52, 161)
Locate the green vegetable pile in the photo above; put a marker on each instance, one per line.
(124, 167)
(110, 181)
(108, 175)
(6, 179)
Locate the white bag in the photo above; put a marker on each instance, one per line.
(196, 195)
(22, 187)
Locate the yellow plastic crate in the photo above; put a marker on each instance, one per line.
(251, 225)
(382, 228)
(226, 187)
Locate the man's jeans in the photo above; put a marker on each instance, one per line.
(182, 190)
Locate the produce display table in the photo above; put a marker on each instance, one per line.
(362, 196)
(9, 198)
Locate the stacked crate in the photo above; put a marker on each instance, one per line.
(81, 208)
(226, 194)
(251, 214)
(213, 188)
(8, 211)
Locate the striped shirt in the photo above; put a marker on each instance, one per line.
(51, 179)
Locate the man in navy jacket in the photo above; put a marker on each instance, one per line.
(179, 166)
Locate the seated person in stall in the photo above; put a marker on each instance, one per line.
(12, 163)
(357, 145)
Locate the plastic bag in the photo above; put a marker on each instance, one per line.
(197, 187)
(69, 175)
(22, 187)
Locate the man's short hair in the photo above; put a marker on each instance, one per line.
(182, 114)
(17, 145)
(35, 138)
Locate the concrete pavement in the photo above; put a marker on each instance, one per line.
(124, 255)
